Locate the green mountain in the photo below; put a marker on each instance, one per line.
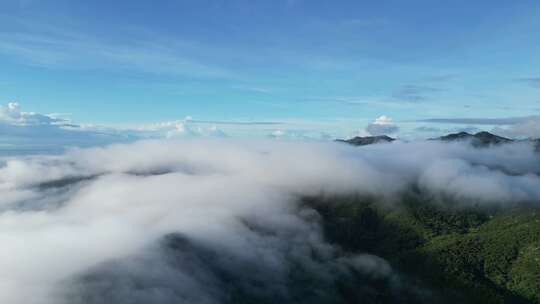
(467, 255)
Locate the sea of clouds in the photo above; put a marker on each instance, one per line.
(203, 220)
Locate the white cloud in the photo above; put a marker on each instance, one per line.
(529, 128)
(12, 114)
(382, 125)
(41, 133)
(188, 127)
(180, 130)
(103, 212)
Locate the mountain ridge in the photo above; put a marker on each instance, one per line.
(367, 140)
(479, 139)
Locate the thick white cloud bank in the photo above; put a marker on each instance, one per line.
(86, 226)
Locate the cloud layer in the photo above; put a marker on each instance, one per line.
(191, 220)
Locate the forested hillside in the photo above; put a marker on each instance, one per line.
(473, 254)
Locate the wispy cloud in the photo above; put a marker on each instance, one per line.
(427, 129)
(369, 23)
(531, 81)
(440, 78)
(358, 101)
(236, 122)
(480, 121)
(254, 89)
(529, 128)
(515, 127)
(54, 47)
(414, 93)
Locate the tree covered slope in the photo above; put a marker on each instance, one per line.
(471, 255)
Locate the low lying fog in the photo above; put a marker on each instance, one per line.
(185, 221)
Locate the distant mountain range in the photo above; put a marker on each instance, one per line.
(480, 139)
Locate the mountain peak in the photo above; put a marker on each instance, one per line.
(482, 138)
(367, 140)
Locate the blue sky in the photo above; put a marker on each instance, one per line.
(325, 66)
